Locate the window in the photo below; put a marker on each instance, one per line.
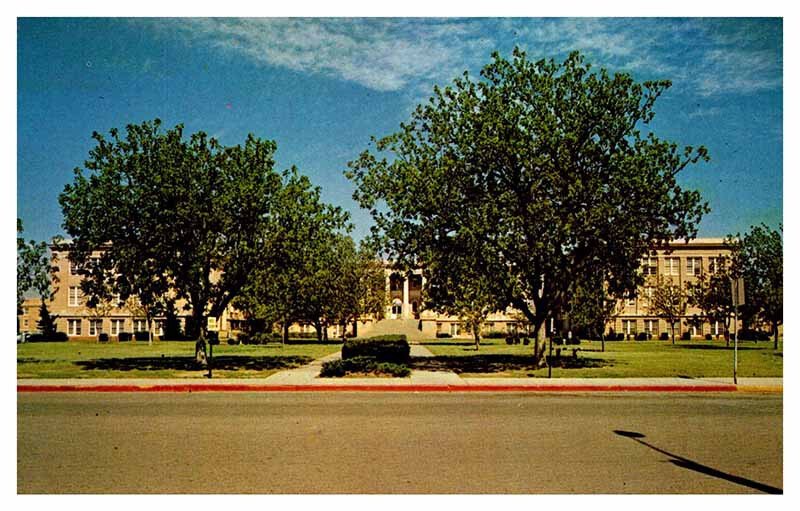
(651, 326)
(73, 268)
(650, 265)
(95, 326)
(74, 296)
(629, 326)
(25, 322)
(630, 301)
(160, 326)
(438, 327)
(716, 327)
(717, 264)
(694, 266)
(74, 326)
(117, 326)
(139, 325)
(454, 329)
(672, 266)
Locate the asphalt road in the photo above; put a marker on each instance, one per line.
(398, 443)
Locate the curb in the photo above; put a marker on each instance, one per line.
(391, 388)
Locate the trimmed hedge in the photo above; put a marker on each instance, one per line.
(55, 337)
(103, 337)
(124, 336)
(494, 334)
(664, 336)
(443, 335)
(387, 348)
(141, 336)
(362, 365)
(259, 337)
(752, 335)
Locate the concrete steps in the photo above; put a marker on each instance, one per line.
(407, 327)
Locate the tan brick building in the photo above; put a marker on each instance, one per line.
(405, 312)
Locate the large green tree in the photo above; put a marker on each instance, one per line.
(537, 172)
(668, 302)
(294, 283)
(187, 215)
(758, 258)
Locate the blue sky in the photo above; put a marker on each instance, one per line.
(321, 87)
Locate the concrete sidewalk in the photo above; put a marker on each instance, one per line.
(306, 378)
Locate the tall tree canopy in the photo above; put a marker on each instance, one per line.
(758, 258)
(535, 173)
(36, 269)
(190, 215)
(294, 283)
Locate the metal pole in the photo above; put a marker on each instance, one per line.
(550, 358)
(735, 340)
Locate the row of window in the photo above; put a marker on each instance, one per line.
(74, 326)
(672, 265)
(651, 326)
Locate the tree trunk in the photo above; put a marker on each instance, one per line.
(477, 335)
(603, 341)
(355, 327)
(285, 330)
(318, 328)
(775, 331)
(672, 329)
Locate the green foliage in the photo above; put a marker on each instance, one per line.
(362, 365)
(47, 321)
(170, 214)
(389, 348)
(296, 281)
(36, 269)
(758, 258)
(536, 173)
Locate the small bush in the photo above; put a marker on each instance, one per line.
(362, 365)
(574, 340)
(526, 341)
(620, 336)
(643, 336)
(663, 336)
(302, 335)
(443, 335)
(752, 335)
(124, 336)
(103, 337)
(708, 337)
(509, 340)
(494, 334)
(388, 348)
(141, 336)
(54, 337)
(686, 336)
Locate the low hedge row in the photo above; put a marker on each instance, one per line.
(387, 348)
(56, 337)
(362, 365)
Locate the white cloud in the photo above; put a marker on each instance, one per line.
(701, 56)
(384, 55)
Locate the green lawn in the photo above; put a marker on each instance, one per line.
(621, 359)
(161, 360)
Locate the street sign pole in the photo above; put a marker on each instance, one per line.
(737, 297)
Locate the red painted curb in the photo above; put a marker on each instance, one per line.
(374, 388)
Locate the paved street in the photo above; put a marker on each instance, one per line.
(398, 443)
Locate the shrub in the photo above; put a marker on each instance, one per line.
(124, 336)
(526, 341)
(509, 340)
(443, 335)
(368, 365)
(748, 334)
(686, 336)
(664, 336)
(388, 348)
(303, 335)
(103, 337)
(641, 336)
(558, 341)
(494, 334)
(620, 336)
(574, 340)
(53, 337)
(708, 337)
(140, 336)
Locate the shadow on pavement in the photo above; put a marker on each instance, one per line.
(227, 363)
(686, 463)
(495, 363)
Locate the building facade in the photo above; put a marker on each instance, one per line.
(682, 263)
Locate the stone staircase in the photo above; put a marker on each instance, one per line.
(408, 327)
